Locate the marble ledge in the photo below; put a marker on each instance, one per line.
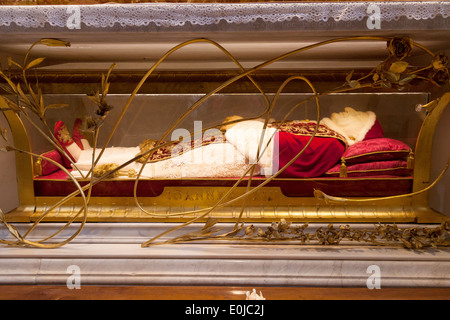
(224, 263)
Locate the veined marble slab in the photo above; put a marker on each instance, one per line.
(110, 254)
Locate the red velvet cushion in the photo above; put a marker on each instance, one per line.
(48, 167)
(376, 150)
(375, 132)
(375, 168)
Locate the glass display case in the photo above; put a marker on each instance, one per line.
(143, 71)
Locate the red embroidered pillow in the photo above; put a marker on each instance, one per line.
(375, 168)
(376, 150)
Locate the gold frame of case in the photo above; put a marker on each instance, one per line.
(265, 204)
(262, 203)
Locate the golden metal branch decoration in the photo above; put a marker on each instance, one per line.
(393, 73)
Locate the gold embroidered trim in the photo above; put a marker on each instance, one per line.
(377, 152)
(303, 128)
(369, 170)
(63, 135)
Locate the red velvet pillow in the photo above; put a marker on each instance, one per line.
(375, 168)
(376, 150)
(46, 167)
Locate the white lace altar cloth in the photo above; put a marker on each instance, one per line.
(177, 15)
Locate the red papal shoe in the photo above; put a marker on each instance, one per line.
(78, 136)
(67, 143)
